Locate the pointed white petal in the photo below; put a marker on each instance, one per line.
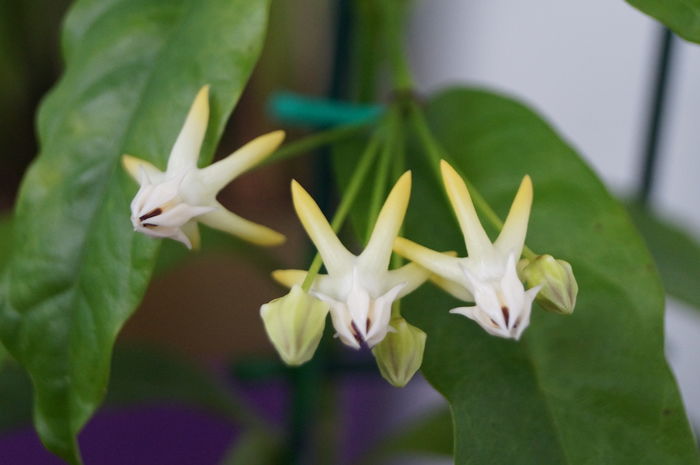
(233, 224)
(524, 320)
(181, 237)
(377, 254)
(191, 230)
(512, 236)
(411, 275)
(185, 152)
(219, 174)
(335, 256)
(379, 319)
(475, 238)
(482, 318)
(438, 263)
(137, 168)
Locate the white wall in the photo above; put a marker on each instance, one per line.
(586, 66)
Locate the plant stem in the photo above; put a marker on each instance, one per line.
(436, 153)
(381, 175)
(393, 15)
(349, 196)
(312, 142)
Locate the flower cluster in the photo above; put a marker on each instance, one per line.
(170, 203)
(359, 291)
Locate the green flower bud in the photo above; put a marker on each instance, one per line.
(400, 354)
(559, 288)
(294, 323)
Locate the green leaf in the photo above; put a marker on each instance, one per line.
(593, 387)
(429, 435)
(77, 269)
(139, 376)
(676, 252)
(681, 16)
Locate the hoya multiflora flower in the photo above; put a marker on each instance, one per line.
(488, 275)
(360, 289)
(170, 203)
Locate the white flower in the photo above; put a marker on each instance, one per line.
(488, 275)
(360, 289)
(170, 203)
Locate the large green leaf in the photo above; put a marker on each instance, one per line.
(592, 388)
(681, 16)
(676, 252)
(77, 270)
(428, 435)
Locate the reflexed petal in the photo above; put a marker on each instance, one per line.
(482, 318)
(219, 174)
(377, 254)
(335, 256)
(512, 237)
(134, 167)
(185, 152)
(233, 224)
(475, 237)
(436, 262)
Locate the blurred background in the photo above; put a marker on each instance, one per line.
(588, 67)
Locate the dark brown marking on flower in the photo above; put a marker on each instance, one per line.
(506, 314)
(358, 335)
(356, 332)
(149, 225)
(151, 214)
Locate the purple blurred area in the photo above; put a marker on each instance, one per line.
(182, 435)
(134, 436)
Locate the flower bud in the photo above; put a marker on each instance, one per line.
(400, 354)
(559, 288)
(294, 323)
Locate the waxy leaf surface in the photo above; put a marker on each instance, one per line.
(593, 387)
(590, 388)
(77, 270)
(681, 16)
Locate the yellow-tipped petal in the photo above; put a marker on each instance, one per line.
(512, 236)
(219, 174)
(233, 224)
(289, 278)
(191, 230)
(335, 256)
(185, 152)
(323, 284)
(474, 235)
(134, 165)
(436, 262)
(377, 254)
